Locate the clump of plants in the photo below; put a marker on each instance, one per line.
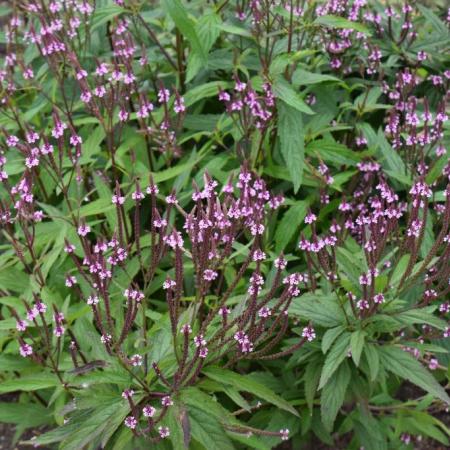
(224, 225)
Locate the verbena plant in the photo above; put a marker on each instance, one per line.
(224, 225)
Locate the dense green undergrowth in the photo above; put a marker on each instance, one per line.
(224, 224)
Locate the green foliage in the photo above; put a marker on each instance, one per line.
(333, 108)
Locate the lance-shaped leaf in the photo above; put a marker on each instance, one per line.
(292, 141)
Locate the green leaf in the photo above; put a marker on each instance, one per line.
(373, 360)
(434, 20)
(179, 15)
(104, 192)
(330, 336)
(208, 31)
(193, 396)
(288, 226)
(337, 354)
(92, 144)
(351, 264)
(292, 141)
(13, 279)
(399, 270)
(402, 364)
(206, 430)
(333, 152)
(25, 414)
(15, 362)
(436, 169)
(285, 92)
(388, 157)
(203, 91)
(179, 425)
(247, 384)
(341, 22)
(323, 310)
(303, 78)
(421, 315)
(357, 345)
(29, 383)
(99, 206)
(333, 395)
(369, 430)
(311, 377)
(424, 423)
(237, 397)
(86, 426)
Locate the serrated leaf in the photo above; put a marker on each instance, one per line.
(179, 15)
(29, 383)
(303, 78)
(210, 89)
(333, 395)
(247, 384)
(421, 315)
(13, 279)
(323, 310)
(388, 157)
(333, 152)
(292, 141)
(179, 425)
(340, 22)
(311, 377)
(330, 336)
(207, 430)
(337, 354)
(399, 270)
(434, 20)
(373, 360)
(99, 206)
(283, 91)
(289, 224)
(25, 414)
(402, 364)
(357, 345)
(208, 31)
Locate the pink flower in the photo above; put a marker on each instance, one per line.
(199, 341)
(75, 140)
(92, 300)
(433, 364)
(163, 96)
(209, 275)
(26, 350)
(284, 433)
(186, 329)
(81, 74)
(21, 325)
(148, 411)
(83, 230)
(280, 263)
(171, 199)
(309, 333)
(179, 105)
(123, 115)
(118, 199)
(310, 218)
(169, 284)
(130, 422)
(166, 401)
(164, 432)
(71, 281)
(136, 360)
(127, 393)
